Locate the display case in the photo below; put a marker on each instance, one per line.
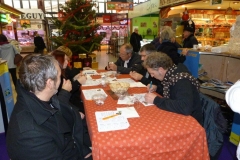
(26, 39)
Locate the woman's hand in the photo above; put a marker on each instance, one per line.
(135, 75)
(80, 78)
(67, 85)
(184, 51)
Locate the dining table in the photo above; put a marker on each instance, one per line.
(155, 135)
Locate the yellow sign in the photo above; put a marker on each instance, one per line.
(3, 68)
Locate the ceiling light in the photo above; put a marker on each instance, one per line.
(235, 2)
(205, 1)
(183, 6)
(218, 7)
(172, 8)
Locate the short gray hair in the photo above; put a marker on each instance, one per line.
(167, 33)
(158, 59)
(35, 70)
(148, 48)
(128, 48)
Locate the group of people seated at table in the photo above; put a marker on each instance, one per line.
(48, 118)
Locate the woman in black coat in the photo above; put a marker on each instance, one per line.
(170, 48)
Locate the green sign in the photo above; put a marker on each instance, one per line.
(3, 18)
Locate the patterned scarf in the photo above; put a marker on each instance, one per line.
(170, 79)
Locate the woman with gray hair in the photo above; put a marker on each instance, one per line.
(171, 49)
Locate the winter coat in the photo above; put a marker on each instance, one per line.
(171, 49)
(135, 41)
(184, 97)
(190, 41)
(134, 64)
(8, 52)
(37, 132)
(214, 124)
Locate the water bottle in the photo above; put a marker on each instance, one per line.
(103, 80)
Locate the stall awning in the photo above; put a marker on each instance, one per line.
(8, 9)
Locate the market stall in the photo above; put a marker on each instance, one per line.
(31, 21)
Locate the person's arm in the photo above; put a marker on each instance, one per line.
(145, 80)
(15, 50)
(132, 40)
(194, 40)
(182, 98)
(75, 86)
(43, 42)
(64, 95)
(172, 52)
(140, 37)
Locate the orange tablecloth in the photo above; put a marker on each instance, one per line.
(156, 134)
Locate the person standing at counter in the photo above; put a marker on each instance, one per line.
(135, 40)
(127, 61)
(39, 43)
(8, 52)
(188, 37)
(180, 88)
(169, 47)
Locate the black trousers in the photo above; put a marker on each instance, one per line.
(14, 75)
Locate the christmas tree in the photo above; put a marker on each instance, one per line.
(77, 27)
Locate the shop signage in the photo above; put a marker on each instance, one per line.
(145, 8)
(32, 14)
(119, 6)
(121, 17)
(6, 18)
(114, 18)
(106, 19)
(164, 3)
(123, 22)
(3, 18)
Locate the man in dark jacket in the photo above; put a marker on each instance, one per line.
(144, 76)
(127, 61)
(189, 38)
(42, 127)
(170, 48)
(135, 40)
(180, 89)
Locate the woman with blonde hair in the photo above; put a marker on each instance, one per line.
(168, 47)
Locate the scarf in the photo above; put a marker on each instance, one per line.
(170, 79)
